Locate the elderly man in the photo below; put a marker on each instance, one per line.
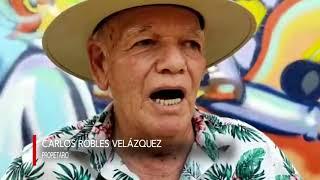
(151, 55)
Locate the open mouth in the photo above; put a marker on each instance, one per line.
(167, 97)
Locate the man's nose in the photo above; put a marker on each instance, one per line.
(171, 61)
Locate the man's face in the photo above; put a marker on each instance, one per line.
(153, 63)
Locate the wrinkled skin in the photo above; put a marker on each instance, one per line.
(144, 49)
(136, 53)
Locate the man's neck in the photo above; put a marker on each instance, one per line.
(165, 162)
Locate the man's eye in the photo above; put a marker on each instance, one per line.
(145, 42)
(193, 45)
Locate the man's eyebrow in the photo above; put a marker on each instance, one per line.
(192, 33)
(197, 33)
(137, 29)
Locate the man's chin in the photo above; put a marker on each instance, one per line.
(168, 126)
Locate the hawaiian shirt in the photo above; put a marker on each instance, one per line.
(224, 149)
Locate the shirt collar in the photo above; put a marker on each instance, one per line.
(202, 155)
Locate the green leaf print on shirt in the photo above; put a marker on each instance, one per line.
(222, 172)
(72, 174)
(241, 132)
(121, 175)
(84, 132)
(282, 177)
(244, 133)
(65, 130)
(287, 164)
(289, 167)
(98, 159)
(191, 169)
(210, 147)
(215, 125)
(18, 170)
(248, 166)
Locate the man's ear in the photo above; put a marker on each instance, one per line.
(98, 56)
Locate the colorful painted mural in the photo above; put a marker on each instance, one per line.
(272, 83)
(35, 96)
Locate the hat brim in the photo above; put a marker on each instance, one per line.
(228, 26)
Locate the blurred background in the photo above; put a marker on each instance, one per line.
(272, 83)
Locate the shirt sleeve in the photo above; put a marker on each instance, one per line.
(280, 166)
(276, 166)
(19, 170)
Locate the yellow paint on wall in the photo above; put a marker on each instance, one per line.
(313, 52)
(48, 12)
(295, 39)
(27, 4)
(200, 93)
(256, 7)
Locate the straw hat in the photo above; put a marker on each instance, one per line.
(228, 26)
